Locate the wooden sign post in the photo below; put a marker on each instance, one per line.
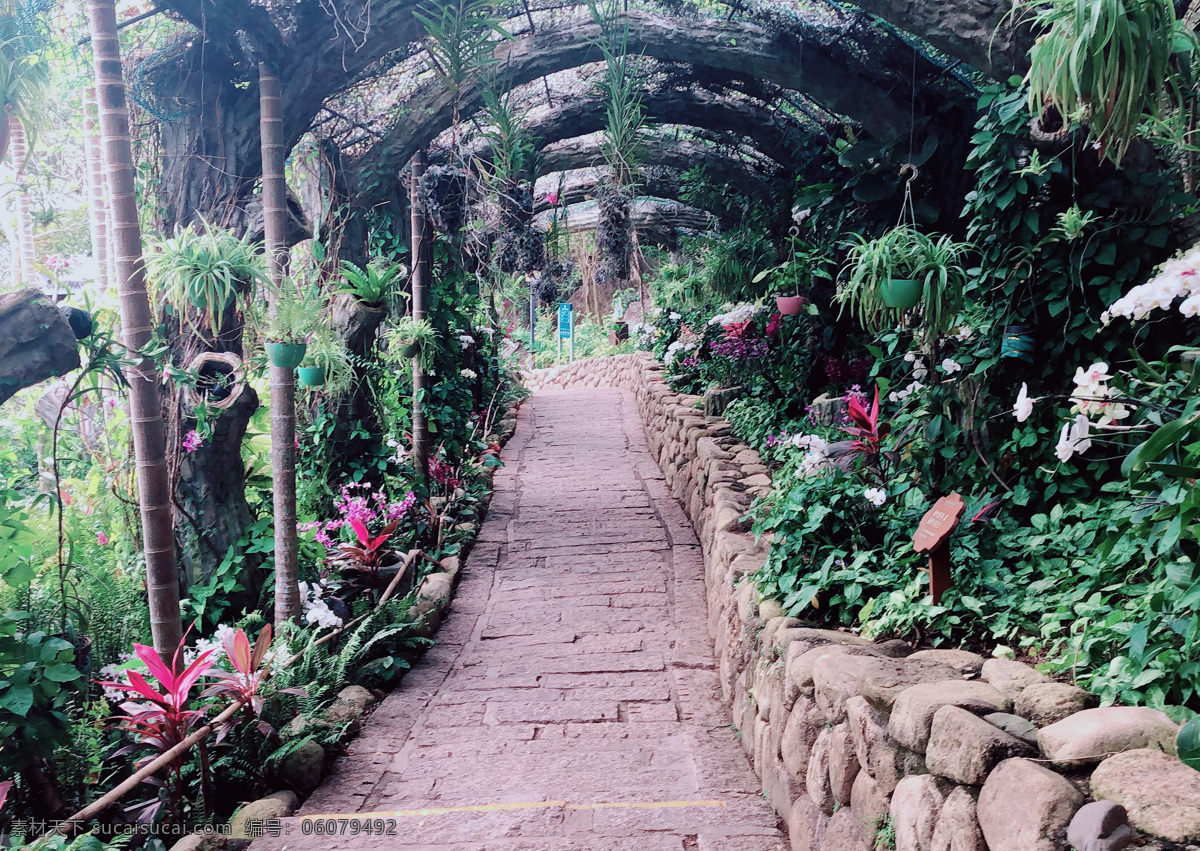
(933, 538)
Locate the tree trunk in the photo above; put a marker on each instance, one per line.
(97, 205)
(20, 153)
(137, 324)
(420, 288)
(283, 381)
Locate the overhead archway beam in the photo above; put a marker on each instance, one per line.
(818, 56)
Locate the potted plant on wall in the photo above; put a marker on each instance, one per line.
(297, 314)
(413, 338)
(203, 269)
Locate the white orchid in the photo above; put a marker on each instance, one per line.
(1024, 405)
(875, 496)
(951, 366)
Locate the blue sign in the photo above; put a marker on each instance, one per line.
(564, 321)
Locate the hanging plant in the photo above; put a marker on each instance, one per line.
(413, 338)
(373, 284)
(201, 271)
(1110, 64)
(327, 364)
(444, 188)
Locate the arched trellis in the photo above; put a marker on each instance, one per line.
(879, 89)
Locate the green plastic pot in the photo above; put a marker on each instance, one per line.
(286, 355)
(900, 293)
(409, 350)
(311, 376)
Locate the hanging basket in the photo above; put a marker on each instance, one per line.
(790, 305)
(220, 383)
(311, 376)
(286, 355)
(900, 293)
(408, 351)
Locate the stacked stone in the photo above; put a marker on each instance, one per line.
(609, 371)
(855, 740)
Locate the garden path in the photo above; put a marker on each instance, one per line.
(571, 701)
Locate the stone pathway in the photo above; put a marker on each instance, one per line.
(571, 701)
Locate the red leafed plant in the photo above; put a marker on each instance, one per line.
(162, 719)
(370, 552)
(4, 787)
(245, 682)
(866, 428)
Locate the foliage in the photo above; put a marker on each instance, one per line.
(1109, 64)
(460, 41)
(325, 350)
(38, 679)
(205, 268)
(24, 71)
(297, 312)
(374, 283)
(621, 87)
(410, 337)
(904, 253)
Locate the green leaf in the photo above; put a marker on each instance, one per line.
(1188, 744)
(61, 672)
(18, 700)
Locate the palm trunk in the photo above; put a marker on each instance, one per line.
(137, 324)
(420, 288)
(20, 152)
(283, 381)
(97, 206)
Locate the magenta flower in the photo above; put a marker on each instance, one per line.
(102, 539)
(552, 199)
(192, 441)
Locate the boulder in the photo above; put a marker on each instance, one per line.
(277, 806)
(1048, 703)
(816, 779)
(843, 763)
(804, 724)
(878, 754)
(1087, 737)
(1160, 793)
(965, 748)
(1014, 725)
(1025, 807)
(912, 714)
(915, 807)
(801, 661)
(867, 801)
(350, 706)
(1100, 826)
(957, 827)
(302, 769)
(806, 825)
(966, 663)
(845, 833)
(879, 680)
(1011, 678)
(201, 842)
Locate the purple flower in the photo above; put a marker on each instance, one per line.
(192, 441)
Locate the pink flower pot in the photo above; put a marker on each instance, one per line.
(790, 305)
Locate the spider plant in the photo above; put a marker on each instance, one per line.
(1110, 64)
(373, 284)
(326, 352)
(205, 268)
(903, 253)
(413, 338)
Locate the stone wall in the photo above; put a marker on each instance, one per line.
(859, 743)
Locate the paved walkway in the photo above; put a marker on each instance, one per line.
(570, 703)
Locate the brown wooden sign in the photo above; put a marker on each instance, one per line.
(933, 537)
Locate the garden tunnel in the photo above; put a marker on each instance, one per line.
(658, 364)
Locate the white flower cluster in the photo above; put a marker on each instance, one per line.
(736, 315)
(645, 333)
(216, 644)
(816, 455)
(1093, 396)
(316, 610)
(485, 330)
(401, 453)
(466, 340)
(919, 370)
(951, 366)
(1074, 438)
(919, 373)
(115, 673)
(902, 395)
(1178, 277)
(674, 349)
(468, 374)
(875, 496)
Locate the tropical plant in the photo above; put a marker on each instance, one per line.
(207, 268)
(621, 87)
(245, 682)
(413, 338)
(369, 552)
(24, 75)
(326, 351)
(372, 284)
(904, 253)
(1110, 64)
(514, 153)
(298, 313)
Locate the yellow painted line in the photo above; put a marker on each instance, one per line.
(523, 805)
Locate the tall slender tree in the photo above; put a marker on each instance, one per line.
(97, 203)
(20, 155)
(283, 381)
(420, 290)
(137, 324)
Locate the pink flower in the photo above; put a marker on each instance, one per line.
(192, 441)
(102, 539)
(552, 199)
